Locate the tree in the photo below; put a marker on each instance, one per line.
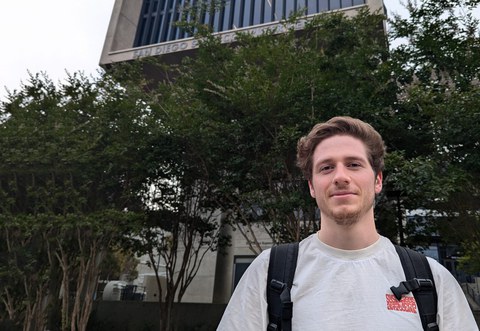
(119, 265)
(180, 226)
(242, 107)
(181, 223)
(71, 172)
(175, 243)
(24, 274)
(438, 74)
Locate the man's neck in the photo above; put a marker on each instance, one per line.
(349, 237)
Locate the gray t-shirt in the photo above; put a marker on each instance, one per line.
(336, 290)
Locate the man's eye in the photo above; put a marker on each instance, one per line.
(354, 165)
(325, 168)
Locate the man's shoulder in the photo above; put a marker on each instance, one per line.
(438, 269)
(308, 241)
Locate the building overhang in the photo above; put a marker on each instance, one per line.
(121, 33)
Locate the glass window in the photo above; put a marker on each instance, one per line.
(140, 33)
(347, 3)
(257, 11)
(146, 7)
(322, 5)
(358, 2)
(247, 13)
(301, 5)
(227, 16)
(216, 20)
(148, 21)
(201, 15)
(334, 4)
(237, 23)
(279, 10)
(268, 12)
(289, 8)
(210, 15)
(312, 7)
(206, 18)
(171, 18)
(166, 27)
(176, 18)
(241, 264)
(188, 17)
(155, 25)
(155, 6)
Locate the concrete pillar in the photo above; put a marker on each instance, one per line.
(222, 288)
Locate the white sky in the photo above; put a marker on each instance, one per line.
(55, 36)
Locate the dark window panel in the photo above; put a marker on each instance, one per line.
(323, 5)
(158, 17)
(258, 11)
(269, 11)
(216, 20)
(247, 13)
(334, 4)
(279, 7)
(236, 14)
(312, 7)
(289, 8)
(227, 21)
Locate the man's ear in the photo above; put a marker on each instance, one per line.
(312, 190)
(378, 182)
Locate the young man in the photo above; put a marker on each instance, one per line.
(345, 270)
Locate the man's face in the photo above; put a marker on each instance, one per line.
(343, 182)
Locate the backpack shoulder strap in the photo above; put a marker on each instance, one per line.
(419, 281)
(281, 270)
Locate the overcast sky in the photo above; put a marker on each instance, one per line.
(56, 36)
(51, 36)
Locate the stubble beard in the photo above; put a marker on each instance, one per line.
(349, 217)
(346, 219)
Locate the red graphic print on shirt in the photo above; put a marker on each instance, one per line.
(407, 304)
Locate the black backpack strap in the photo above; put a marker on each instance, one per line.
(420, 282)
(281, 270)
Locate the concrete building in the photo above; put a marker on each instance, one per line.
(144, 28)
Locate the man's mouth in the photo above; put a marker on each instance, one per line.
(342, 193)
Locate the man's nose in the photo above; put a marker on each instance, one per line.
(341, 175)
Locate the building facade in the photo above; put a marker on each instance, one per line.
(147, 28)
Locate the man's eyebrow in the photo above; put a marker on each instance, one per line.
(347, 158)
(356, 158)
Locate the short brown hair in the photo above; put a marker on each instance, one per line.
(341, 125)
